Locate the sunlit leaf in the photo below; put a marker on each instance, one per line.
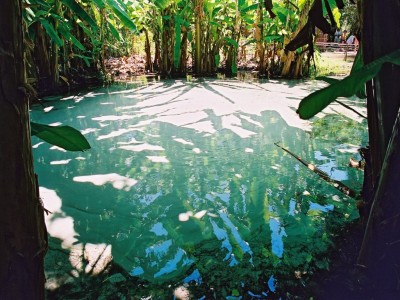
(65, 137)
(248, 8)
(317, 101)
(120, 12)
(275, 37)
(99, 3)
(162, 4)
(232, 42)
(114, 31)
(78, 10)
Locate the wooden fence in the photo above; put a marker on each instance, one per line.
(343, 47)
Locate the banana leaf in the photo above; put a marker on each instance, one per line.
(51, 32)
(114, 31)
(356, 66)
(100, 3)
(118, 9)
(64, 30)
(347, 87)
(80, 12)
(65, 137)
(248, 8)
(232, 42)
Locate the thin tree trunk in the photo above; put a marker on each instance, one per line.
(157, 51)
(183, 59)
(22, 230)
(55, 51)
(259, 34)
(198, 9)
(149, 66)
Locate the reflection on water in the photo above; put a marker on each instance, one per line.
(184, 186)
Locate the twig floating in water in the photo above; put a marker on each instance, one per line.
(337, 184)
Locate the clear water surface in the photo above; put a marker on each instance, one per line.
(186, 192)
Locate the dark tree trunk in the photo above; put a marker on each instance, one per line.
(380, 248)
(157, 51)
(149, 65)
(167, 45)
(198, 12)
(183, 57)
(22, 230)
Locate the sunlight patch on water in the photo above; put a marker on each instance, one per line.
(60, 162)
(113, 118)
(158, 159)
(184, 217)
(182, 141)
(96, 256)
(196, 150)
(202, 126)
(142, 147)
(60, 227)
(37, 145)
(114, 134)
(234, 123)
(119, 182)
(48, 108)
(88, 130)
(57, 148)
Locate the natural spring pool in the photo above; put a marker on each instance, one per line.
(185, 192)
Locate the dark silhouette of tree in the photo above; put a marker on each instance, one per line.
(22, 230)
(379, 252)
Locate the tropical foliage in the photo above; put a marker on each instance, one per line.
(69, 40)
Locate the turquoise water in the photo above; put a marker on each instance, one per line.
(186, 192)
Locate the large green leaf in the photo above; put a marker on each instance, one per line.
(119, 10)
(99, 3)
(317, 101)
(64, 30)
(274, 37)
(358, 64)
(51, 32)
(65, 137)
(248, 8)
(162, 4)
(231, 42)
(80, 12)
(114, 31)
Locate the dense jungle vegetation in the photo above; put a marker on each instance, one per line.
(68, 41)
(48, 44)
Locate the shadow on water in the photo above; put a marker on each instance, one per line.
(185, 192)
